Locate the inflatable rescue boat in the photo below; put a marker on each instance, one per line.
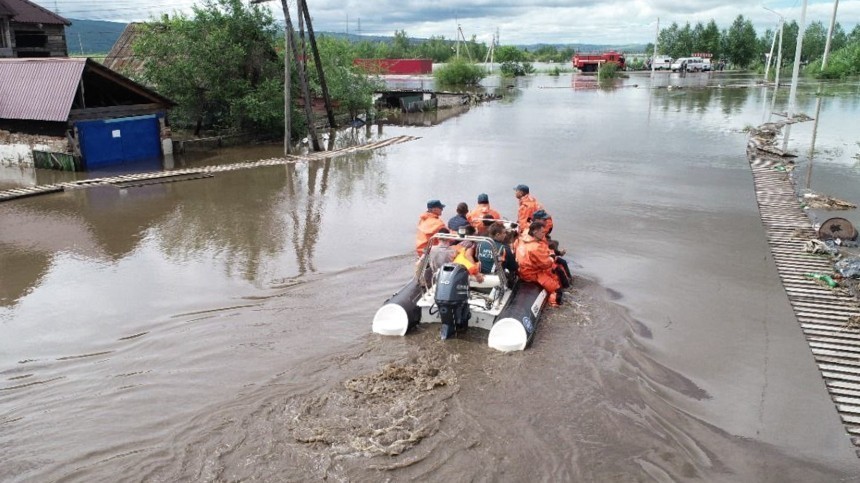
(508, 309)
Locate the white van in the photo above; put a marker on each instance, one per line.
(693, 64)
(662, 62)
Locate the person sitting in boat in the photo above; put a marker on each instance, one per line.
(527, 208)
(429, 223)
(562, 270)
(482, 212)
(466, 250)
(484, 224)
(459, 219)
(542, 215)
(488, 253)
(536, 263)
(442, 253)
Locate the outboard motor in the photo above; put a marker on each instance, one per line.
(452, 298)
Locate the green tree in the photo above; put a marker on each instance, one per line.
(840, 38)
(685, 41)
(813, 41)
(789, 41)
(436, 48)
(400, 46)
(349, 86)
(667, 39)
(218, 65)
(508, 53)
(710, 39)
(854, 36)
(741, 42)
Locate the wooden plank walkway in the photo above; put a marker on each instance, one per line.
(822, 312)
(141, 179)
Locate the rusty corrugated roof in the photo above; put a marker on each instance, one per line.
(121, 57)
(29, 12)
(39, 89)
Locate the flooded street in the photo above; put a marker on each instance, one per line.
(219, 328)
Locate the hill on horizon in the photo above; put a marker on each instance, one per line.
(88, 37)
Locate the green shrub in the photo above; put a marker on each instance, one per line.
(843, 63)
(459, 72)
(608, 70)
(516, 69)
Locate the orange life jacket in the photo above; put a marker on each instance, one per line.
(528, 206)
(428, 225)
(483, 210)
(534, 258)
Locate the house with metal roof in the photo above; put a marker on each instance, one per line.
(105, 118)
(28, 30)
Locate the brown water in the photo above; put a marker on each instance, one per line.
(219, 329)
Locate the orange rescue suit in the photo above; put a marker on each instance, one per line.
(429, 224)
(476, 216)
(528, 206)
(536, 264)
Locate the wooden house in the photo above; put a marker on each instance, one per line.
(28, 30)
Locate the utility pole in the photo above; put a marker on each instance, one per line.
(829, 35)
(287, 94)
(458, 40)
(303, 80)
(313, 41)
(779, 54)
(792, 96)
(656, 40)
(795, 73)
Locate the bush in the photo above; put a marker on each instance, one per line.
(608, 70)
(459, 72)
(516, 69)
(843, 63)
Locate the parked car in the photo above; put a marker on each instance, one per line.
(662, 62)
(693, 64)
(706, 65)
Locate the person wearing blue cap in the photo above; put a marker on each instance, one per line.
(429, 223)
(483, 213)
(528, 206)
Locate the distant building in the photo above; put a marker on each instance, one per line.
(28, 30)
(100, 117)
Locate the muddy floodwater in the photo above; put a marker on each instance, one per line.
(218, 329)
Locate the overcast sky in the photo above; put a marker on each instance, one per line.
(517, 21)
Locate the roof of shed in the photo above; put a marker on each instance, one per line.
(28, 12)
(43, 89)
(121, 57)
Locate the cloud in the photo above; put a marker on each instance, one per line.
(518, 22)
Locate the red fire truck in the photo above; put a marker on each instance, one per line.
(589, 61)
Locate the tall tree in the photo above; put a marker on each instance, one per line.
(741, 42)
(789, 41)
(813, 41)
(219, 65)
(710, 39)
(667, 41)
(400, 46)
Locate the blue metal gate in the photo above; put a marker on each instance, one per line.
(114, 141)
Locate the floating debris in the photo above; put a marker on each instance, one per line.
(817, 201)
